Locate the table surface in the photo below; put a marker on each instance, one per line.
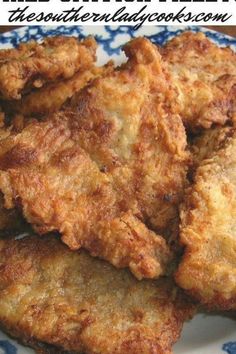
(230, 30)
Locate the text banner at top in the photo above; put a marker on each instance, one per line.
(118, 12)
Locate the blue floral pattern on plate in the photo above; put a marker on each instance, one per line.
(110, 39)
(229, 347)
(107, 37)
(8, 347)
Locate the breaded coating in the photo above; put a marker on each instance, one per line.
(112, 163)
(52, 96)
(205, 78)
(81, 304)
(11, 221)
(33, 64)
(208, 142)
(208, 268)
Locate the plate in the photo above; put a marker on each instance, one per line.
(205, 334)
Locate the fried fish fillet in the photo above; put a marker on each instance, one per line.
(52, 96)
(81, 304)
(208, 268)
(32, 64)
(208, 142)
(109, 164)
(11, 221)
(205, 78)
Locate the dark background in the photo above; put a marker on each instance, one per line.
(231, 30)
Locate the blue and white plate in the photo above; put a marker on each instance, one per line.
(205, 334)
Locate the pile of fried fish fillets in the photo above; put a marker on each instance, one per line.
(123, 181)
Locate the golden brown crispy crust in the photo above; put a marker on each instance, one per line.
(33, 64)
(99, 170)
(205, 78)
(78, 303)
(52, 96)
(11, 221)
(208, 142)
(208, 268)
